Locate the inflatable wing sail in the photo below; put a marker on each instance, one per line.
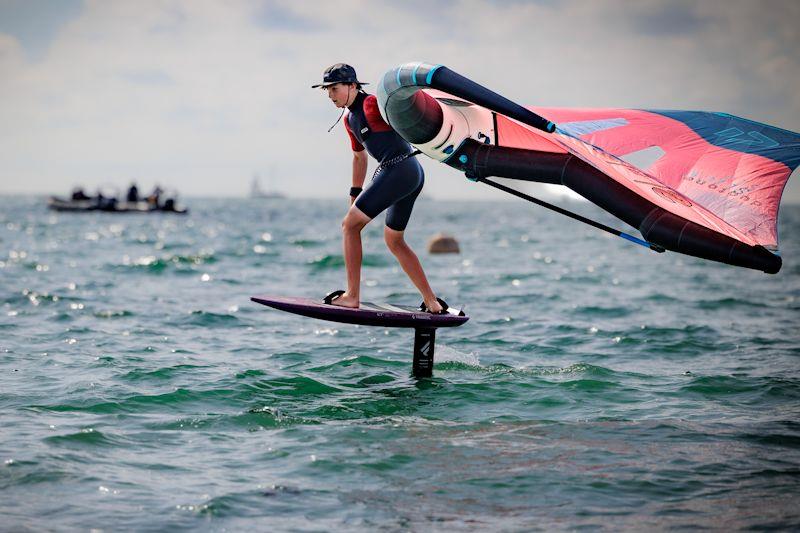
(713, 190)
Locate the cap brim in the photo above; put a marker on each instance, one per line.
(335, 82)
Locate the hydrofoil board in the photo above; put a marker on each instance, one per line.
(368, 314)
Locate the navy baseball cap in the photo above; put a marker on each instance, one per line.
(338, 73)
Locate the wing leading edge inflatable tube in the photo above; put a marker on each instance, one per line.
(459, 128)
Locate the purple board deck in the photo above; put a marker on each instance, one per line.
(369, 314)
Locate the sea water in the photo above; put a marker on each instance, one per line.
(597, 383)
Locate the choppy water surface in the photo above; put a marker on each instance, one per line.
(597, 383)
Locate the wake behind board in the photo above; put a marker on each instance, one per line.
(384, 315)
(369, 314)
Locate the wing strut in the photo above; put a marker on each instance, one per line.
(570, 214)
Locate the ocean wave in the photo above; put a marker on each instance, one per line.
(307, 242)
(202, 318)
(113, 313)
(712, 304)
(160, 374)
(260, 417)
(86, 438)
(140, 403)
(151, 264)
(364, 361)
(336, 261)
(18, 474)
(720, 386)
(589, 385)
(603, 312)
(295, 386)
(36, 298)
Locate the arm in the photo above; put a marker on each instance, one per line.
(359, 170)
(359, 160)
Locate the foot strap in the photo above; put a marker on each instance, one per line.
(332, 296)
(445, 307)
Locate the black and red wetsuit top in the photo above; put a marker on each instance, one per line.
(366, 128)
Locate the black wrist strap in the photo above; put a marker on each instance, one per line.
(355, 191)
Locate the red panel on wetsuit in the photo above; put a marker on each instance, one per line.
(357, 146)
(373, 115)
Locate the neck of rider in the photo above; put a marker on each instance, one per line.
(352, 93)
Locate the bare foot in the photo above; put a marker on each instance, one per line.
(345, 300)
(433, 306)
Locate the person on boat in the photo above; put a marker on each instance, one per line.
(169, 205)
(397, 182)
(104, 203)
(155, 198)
(133, 193)
(78, 194)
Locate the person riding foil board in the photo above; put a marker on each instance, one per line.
(397, 182)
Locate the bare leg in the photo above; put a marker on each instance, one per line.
(353, 223)
(410, 263)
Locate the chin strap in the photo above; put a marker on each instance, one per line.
(337, 120)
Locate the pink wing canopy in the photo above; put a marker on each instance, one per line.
(720, 171)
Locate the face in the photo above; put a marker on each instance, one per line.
(341, 94)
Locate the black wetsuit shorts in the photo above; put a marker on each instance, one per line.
(395, 188)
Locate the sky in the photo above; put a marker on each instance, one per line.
(198, 96)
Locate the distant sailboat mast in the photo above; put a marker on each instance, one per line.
(255, 188)
(257, 192)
